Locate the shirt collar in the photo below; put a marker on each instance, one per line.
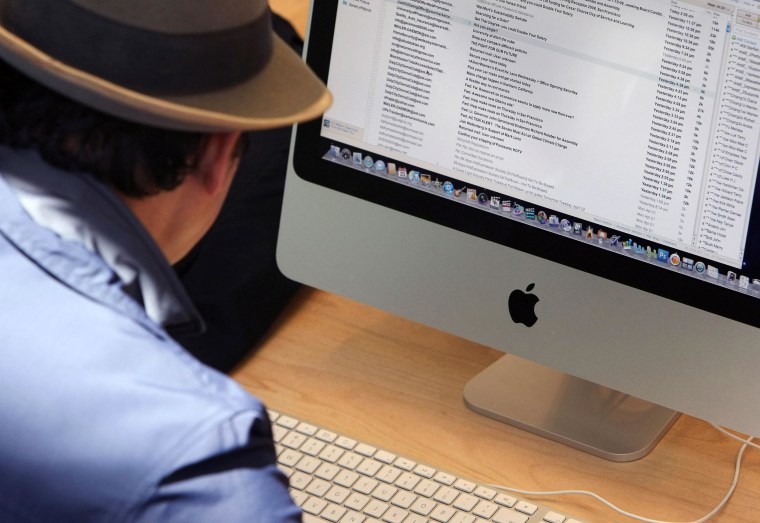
(79, 208)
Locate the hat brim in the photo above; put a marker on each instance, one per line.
(284, 92)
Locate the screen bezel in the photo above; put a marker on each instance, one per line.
(310, 147)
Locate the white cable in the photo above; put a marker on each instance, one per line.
(735, 437)
(708, 516)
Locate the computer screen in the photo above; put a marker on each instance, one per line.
(569, 181)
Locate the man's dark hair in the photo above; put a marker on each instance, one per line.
(135, 159)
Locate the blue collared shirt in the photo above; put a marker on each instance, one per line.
(103, 417)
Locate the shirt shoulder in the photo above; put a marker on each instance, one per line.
(106, 417)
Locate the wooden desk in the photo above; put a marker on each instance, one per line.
(398, 385)
(297, 11)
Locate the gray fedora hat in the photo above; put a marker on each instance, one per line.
(196, 65)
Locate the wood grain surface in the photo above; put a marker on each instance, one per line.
(398, 385)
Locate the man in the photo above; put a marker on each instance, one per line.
(231, 275)
(116, 158)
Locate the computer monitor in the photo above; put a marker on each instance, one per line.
(572, 182)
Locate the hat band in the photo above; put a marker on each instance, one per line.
(139, 59)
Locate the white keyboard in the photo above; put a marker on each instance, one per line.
(338, 479)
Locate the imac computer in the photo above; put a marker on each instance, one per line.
(572, 182)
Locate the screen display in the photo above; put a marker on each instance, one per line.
(617, 137)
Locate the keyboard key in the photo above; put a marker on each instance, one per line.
(278, 433)
(293, 440)
(553, 517)
(446, 495)
(308, 464)
(318, 487)
(446, 479)
(365, 450)
(423, 506)
(337, 494)
(485, 509)
(375, 508)
(504, 500)
(326, 435)
(464, 485)
(407, 481)
(331, 453)
(384, 457)
(365, 485)
(426, 488)
(442, 513)
(461, 517)
(388, 474)
(369, 467)
(349, 460)
(314, 505)
(507, 515)
(405, 464)
(384, 492)
(466, 502)
(485, 493)
(287, 422)
(346, 478)
(333, 513)
(526, 508)
(395, 515)
(307, 429)
(346, 443)
(299, 480)
(299, 497)
(289, 457)
(403, 499)
(356, 501)
(424, 471)
(327, 471)
(353, 517)
(312, 447)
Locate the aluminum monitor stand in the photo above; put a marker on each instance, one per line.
(576, 412)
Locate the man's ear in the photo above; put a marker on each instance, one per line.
(218, 161)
